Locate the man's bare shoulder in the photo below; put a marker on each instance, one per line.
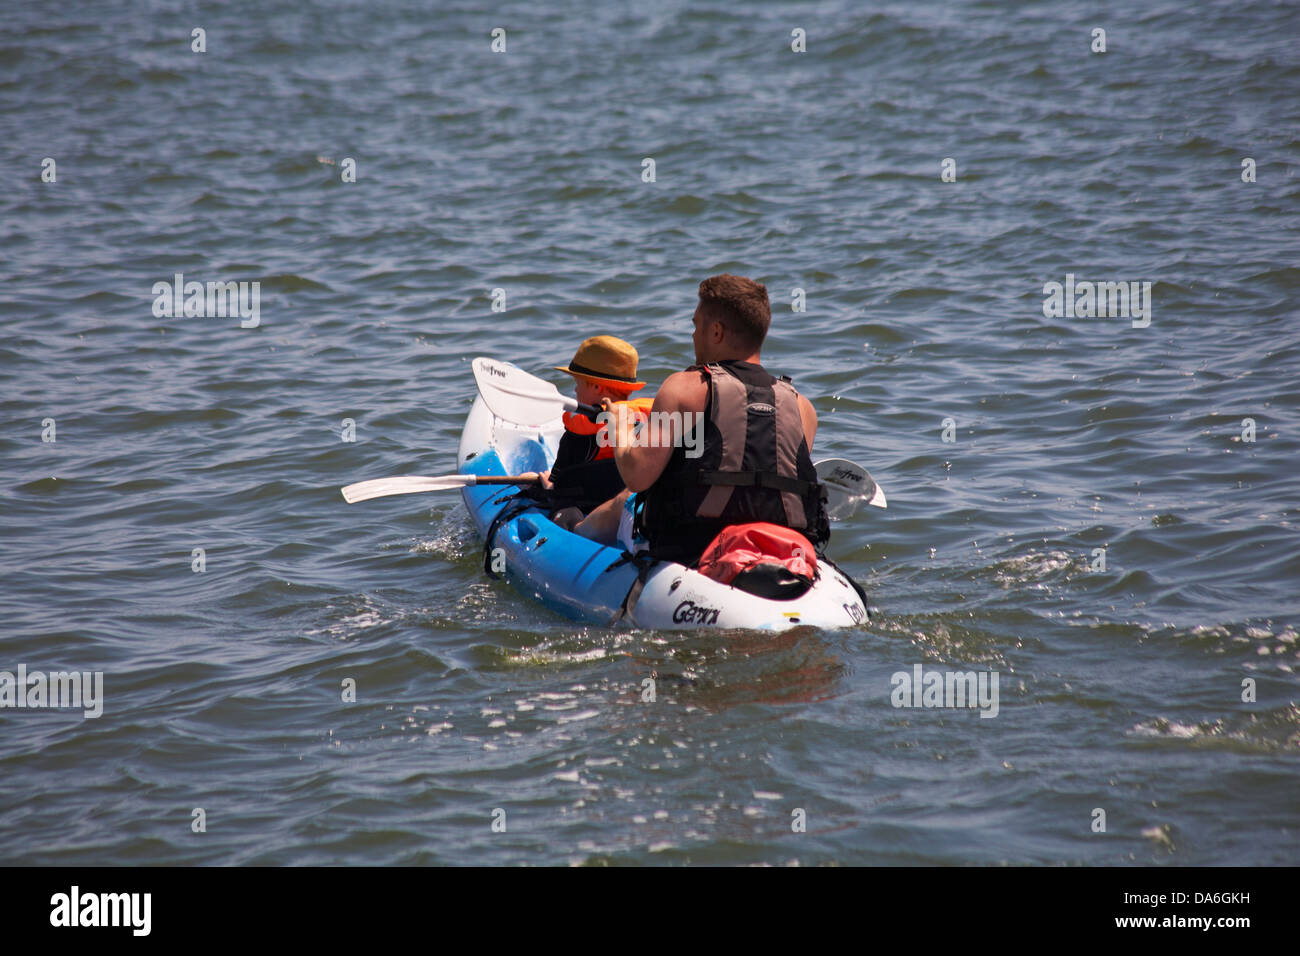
(808, 415)
(683, 391)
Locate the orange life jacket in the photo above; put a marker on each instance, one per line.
(580, 424)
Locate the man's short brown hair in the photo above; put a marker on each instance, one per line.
(740, 304)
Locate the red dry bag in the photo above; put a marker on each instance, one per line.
(762, 558)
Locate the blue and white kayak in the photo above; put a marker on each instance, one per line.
(590, 582)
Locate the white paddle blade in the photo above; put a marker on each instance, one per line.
(847, 485)
(516, 396)
(403, 485)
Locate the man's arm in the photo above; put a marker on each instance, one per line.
(641, 460)
(809, 416)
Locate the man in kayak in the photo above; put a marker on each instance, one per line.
(755, 463)
(584, 474)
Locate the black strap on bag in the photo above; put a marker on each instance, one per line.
(776, 582)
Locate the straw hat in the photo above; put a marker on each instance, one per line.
(604, 358)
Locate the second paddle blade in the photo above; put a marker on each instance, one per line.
(847, 485)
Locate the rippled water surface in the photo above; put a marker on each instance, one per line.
(1121, 689)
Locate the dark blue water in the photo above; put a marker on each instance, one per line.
(1121, 689)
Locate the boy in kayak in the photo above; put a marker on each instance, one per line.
(584, 475)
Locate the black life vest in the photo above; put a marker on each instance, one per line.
(581, 479)
(755, 466)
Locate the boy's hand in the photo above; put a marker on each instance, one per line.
(622, 423)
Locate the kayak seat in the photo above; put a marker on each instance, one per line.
(567, 518)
